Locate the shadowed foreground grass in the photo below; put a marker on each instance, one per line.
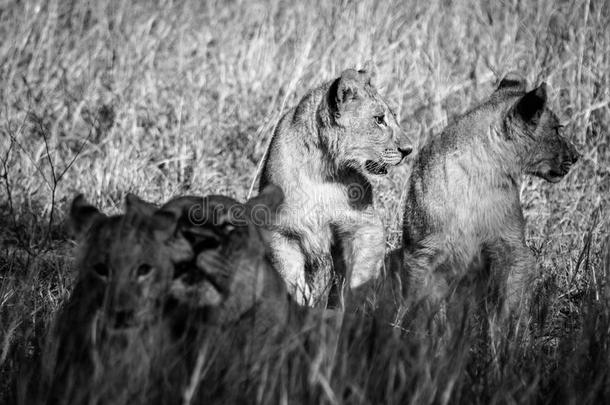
(164, 98)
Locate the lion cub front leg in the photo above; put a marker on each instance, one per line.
(520, 276)
(428, 275)
(320, 277)
(364, 240)
(513, 268)
(289, 261)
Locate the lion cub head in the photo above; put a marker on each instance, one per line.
(536, 129)
(127, 260)
(366, 134)
(231, 273)
(200, 252)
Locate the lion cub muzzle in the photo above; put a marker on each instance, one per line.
(389, 157)
(569, 156)
(562, 163)
(395, 156)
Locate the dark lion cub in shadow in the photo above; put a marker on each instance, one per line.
(153, 286)
(463, 221)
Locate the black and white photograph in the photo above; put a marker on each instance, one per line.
(290, 202)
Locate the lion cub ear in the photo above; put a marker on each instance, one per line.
(164, 227)
(369, 71)
(136, 205)
(532, 104)
(164, 224)
(351, 85)
(261, 210)
(513, 81)
(271, 198)
(347, 89)
(82, 216)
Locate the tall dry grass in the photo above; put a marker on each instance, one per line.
(165, 98)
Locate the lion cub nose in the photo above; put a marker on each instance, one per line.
(405, 151)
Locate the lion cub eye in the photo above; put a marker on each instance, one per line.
(380, 119)
(101, 270)
(144, 270)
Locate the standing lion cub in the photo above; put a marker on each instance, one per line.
(320, 155)
(463, 216)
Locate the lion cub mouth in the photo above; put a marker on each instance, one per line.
(375, 167)
(554, 175)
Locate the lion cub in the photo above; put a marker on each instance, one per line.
(153, 283)
(462, 212)
(230, 274)
(320, 155)
(106, 339)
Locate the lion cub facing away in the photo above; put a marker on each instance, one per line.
(320, 155)
(462, 213)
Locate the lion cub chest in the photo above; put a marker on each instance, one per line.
(314, 213)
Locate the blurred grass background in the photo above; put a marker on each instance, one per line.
(165, 98)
